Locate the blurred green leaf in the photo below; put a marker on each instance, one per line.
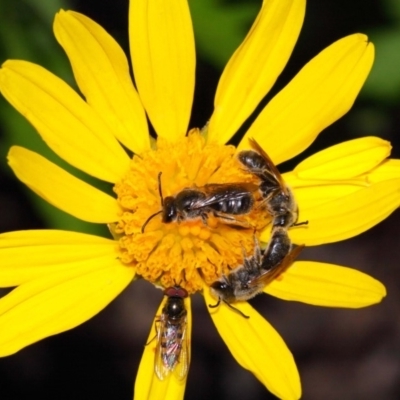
(46, 9)
(384, 81)
(26, 33)
(392, 8)
(220, 27)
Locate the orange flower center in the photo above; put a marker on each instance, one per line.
(193, 250)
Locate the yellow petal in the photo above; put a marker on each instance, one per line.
(257, 347)
(310, 193)
(309, 197)
(102, 73)
(33, 254)
(346, 216)
(345, 160)
(327, 285)
(295, 182)
(147, 385)
(255, 66)
(66, 123)
(322, 92)
(59, 301)
(62, 189)
(390, 169)
(163, 57)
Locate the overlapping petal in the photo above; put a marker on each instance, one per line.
(147, 385)
(257, 347)
(322, 92)
(310, 196)
(255, 66)
(163, 57)
(102, 73)
(34, 254)
(65, 122)
(59, 301)
(62, 189)
(390, 169)
(327, 285)
(347, 216)
(345, 160)
(366, 166)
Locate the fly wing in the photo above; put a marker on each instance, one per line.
(182, 366)
(237, 188)
(269, 275)
(160, 367)
(272, 168)
(172, 350)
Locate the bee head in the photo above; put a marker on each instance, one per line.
(169, 212)
(222, 290)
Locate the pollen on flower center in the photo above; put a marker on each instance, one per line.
(188, 252)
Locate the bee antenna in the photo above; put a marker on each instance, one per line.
(162, 202)
(149, 219)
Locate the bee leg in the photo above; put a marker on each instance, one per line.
(204, 218)
(300, 223)
(232, 220)
(236, 309)
(223, 216)
(215, 305)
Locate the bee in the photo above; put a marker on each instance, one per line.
(260, 269)
(279, 198)
(256, 272)
(224, 201)
(172, 351)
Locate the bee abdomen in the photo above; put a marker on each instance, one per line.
(238, 206)
(278, 248)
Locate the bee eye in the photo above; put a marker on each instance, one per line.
(218, 285)
(169, 210)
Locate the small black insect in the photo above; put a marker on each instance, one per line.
(172, 351)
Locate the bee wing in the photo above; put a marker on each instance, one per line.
(226, 191)
(272, 168)
(182, 366)
(236, 188)
(268, 276)
(160, 368)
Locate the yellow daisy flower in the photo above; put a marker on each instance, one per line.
(64, 278)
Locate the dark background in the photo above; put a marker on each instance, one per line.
(341, 354)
